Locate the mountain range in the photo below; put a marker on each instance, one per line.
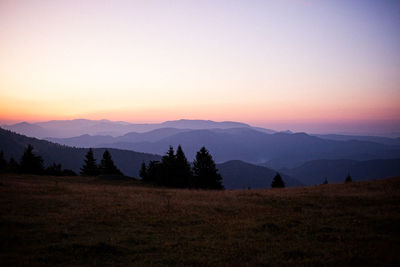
(236, 174)
(273, 150)
(247, 156)
(13, 145)
(77, 127)
(242, 175)
(376, 139)
(314, 172)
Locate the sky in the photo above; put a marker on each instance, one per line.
(304, 65)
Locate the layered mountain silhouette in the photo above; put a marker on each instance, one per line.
(306, 159)
(104, 140)
(277, 150)
(72, 128)
(376, 139)
(241, 175)
(13, 145)
(236, 174)
(314, 172)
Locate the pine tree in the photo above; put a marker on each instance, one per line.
(168, 165)
(90, 166)
(107, 165)
(143, 172)
(155, 172)
(54, 169)
(205, 171)
(348, 179)
(277, 182)
(12, 166)
(31, 163)
(3, 162)
(183, 170)
(169, 158)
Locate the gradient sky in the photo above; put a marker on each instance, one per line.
(307, 65)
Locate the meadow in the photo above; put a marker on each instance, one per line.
(68, 221)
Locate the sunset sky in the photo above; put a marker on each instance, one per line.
(305, 65)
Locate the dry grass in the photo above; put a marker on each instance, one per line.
(83, 221)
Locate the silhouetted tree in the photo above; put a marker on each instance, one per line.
(3, 162)
(31, 163)
(107, 165)
(277, 182)
(348, 178)
(54, 169)
(205, 171)
(168, 165)
(12, 166)
(325, 181)
(143, 171)
(90, 166)
(155, 172)
(184, 177)
(174, 170)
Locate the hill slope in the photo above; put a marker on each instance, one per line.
(376, 139)
(278, 150)
(13, 145)
(107, 141)
(241, 175)
(314, 172)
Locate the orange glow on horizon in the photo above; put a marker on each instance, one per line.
(152, 61)
(208, 112)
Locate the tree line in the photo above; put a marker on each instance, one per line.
(174, 170)
(278, 182)
(32, 164)
(106, 166)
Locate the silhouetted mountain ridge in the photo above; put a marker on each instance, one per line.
(276, 150)
(242, 175)
(376, 139)
(237, 174)
(77, 127)
(314, 172)
(13, 145)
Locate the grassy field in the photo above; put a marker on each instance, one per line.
(84, 221)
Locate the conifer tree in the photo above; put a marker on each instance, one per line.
(107, 165)
(183, 170)
(348, 179)
(12, 166)
(277, 182)
(90, 166)
(3, 162)
(31, 163)
(155, 172)
(168, 165)
(143, 171)
(54, 169)
(169, 158)
(205, 171)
